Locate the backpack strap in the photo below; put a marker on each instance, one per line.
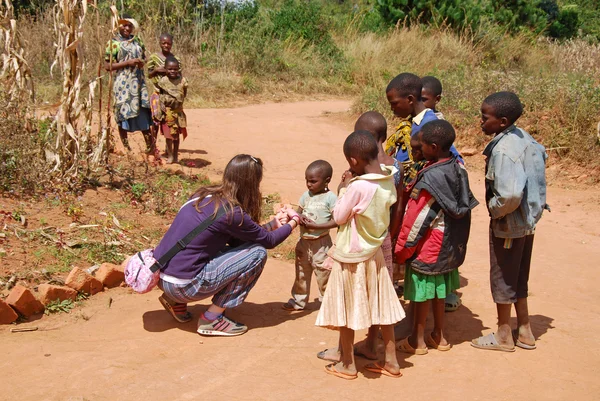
(184, 242)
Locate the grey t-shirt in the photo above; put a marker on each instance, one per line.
(318, 208)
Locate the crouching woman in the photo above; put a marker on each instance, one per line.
(225, 260)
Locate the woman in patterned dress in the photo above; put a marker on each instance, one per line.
(125, 56)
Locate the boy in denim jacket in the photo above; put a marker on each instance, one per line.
(515, 183)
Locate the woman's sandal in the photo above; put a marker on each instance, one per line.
(432, 344)
(404, 346)
(177, 310)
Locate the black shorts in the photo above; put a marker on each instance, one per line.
(510, 260)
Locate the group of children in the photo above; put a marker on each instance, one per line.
(166, 103)
(405, 200)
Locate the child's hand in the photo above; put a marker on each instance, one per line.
(346, 177)
(304, 220)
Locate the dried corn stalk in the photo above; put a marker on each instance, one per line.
(15, 73)
(74, 148)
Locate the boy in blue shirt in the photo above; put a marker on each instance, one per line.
(432, 94)
(515, 184)
(404, 95)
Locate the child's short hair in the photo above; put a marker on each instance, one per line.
(322, 166)
(361, 145)
(171, 59)
(505, 104)
(432, 84)
(439, 132)
(406, 84)
(375, 123)
(166, 35)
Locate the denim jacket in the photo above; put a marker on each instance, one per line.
(515, 183)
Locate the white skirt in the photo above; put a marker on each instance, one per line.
(360, 295)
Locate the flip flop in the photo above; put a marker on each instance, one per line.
(404, 346)
(330, 369)
(432, 344)
(518, 343)
(490, 342)
(376, 368)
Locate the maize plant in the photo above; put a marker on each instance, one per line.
(74, 147)
(15, 73)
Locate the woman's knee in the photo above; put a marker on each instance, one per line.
(259, 254)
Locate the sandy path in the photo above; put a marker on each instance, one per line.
(134, 350)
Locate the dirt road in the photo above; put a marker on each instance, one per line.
(133, 350)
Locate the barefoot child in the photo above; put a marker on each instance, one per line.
(434, 234)
(316, 207)
(157, 70)
(432, 94)
(360, 292)
(172, 90)
(515, 186)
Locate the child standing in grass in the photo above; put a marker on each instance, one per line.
(434, 235)
(172, 91)
(360, 292)
(316, 208)
(432, 94)
(515, 194)
(157, 70)
(156, 62)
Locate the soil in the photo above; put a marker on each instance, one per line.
(124, 346)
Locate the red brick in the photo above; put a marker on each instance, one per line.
(7, 314)
(24, 302)
(110, 275)
(80, 281)
(49, 293)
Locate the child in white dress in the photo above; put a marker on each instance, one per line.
(360, 292)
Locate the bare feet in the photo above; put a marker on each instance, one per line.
(341, 371)
(330, 354)
(504, 336)
(361, 349)
(403, 329)
(524, 336)
(386, 369)
(439, 338)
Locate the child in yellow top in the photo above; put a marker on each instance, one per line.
(172, 91)
(360, 292)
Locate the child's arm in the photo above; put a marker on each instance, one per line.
(185, 87)
(509, 181)
(397, 212)
(311, 225)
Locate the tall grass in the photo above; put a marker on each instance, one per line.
(262, 57)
